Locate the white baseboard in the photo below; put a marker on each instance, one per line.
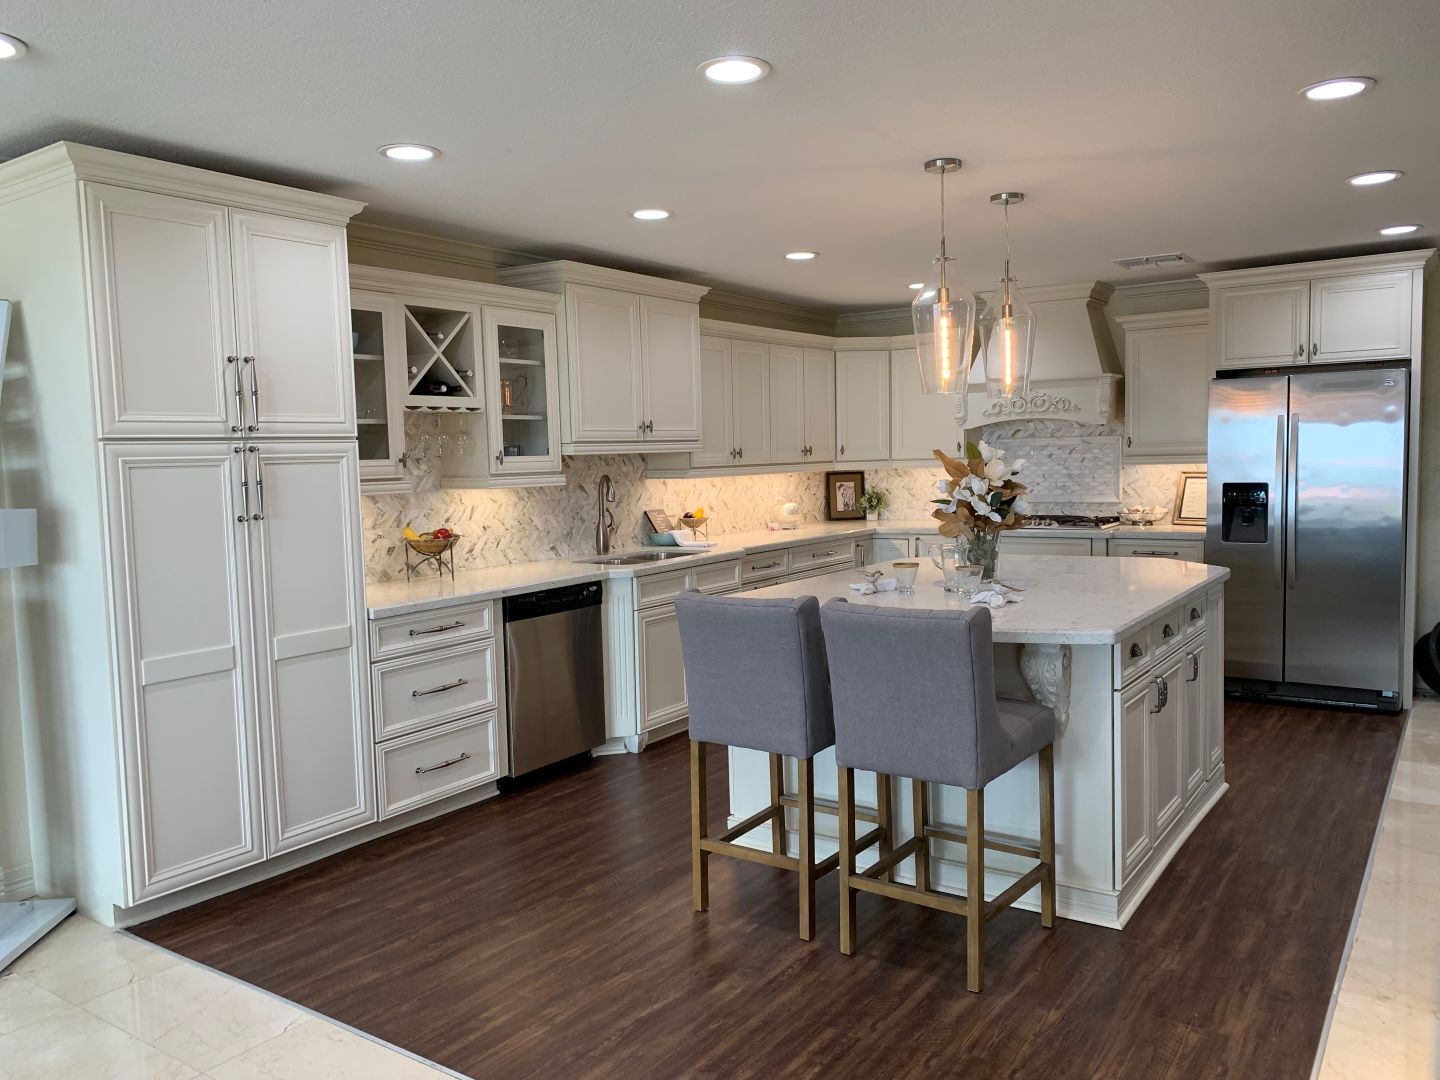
(17, 882)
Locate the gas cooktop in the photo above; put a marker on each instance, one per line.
(1070, 521)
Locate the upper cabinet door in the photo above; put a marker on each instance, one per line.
(1361, 317)
(1263, 325)
(820, 404)
(750, 397)
(787, 404)
(670, 336)
(523, 388)
(313, 686)
(378, 348)
(862, 405)
(716, 445)
(163, 314)
(920, 423)
(191, 762)
(292, 303)
(1167, 390)
(605, 368)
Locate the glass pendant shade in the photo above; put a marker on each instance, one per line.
(944, 320)
(1007, 334)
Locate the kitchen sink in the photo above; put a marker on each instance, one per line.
(636, 557)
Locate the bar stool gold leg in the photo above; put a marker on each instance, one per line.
(847, 861)
(884, 811)
(975, 890)
(805, 774)
(777, 789)
(1047, 835)
(699, 811)
(920, 811)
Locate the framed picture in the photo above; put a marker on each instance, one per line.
(842, 496)
(1190, 492)
(659, 521)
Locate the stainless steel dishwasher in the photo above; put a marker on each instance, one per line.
(554, 675)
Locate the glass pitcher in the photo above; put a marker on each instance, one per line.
(953, 561)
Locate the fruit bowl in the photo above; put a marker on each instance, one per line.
(433, 545)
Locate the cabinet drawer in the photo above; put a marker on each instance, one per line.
(805, 559)
(424, 767)
(426, 630)
(1195, 616)
(767, 564)
(1169, 630)
(1186, 550)
(419, 692)
(651, 589)
(716, 577)
(1136, 652)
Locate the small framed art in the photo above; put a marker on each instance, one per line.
(1189, 506)
(842, 496)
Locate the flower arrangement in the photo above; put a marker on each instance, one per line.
(980, 494)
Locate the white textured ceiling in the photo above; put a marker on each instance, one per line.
(1134, 126)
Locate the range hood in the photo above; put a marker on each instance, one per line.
(1074, 374)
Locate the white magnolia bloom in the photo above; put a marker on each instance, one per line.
(942, 486)
(976, 484)
(979, 505)
(989, 453)
(954, 502)
(1019, 464)
(993, 516)
(997, 470)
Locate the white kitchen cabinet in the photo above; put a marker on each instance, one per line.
(292, 327)
(787, 404)
(310, 661)
(717, 440)
(631, 359)
(1360, 317)
(1166, 747)
(1195, 712)
(1214, 656)
(889, 548)
(862, 405)
(163, 310)
(661, 667)
(670, 346)
(520, 368)
(606, 368)
(920, 423)
(377, 349)
(750, 401)
(1133, 822)
(1167, 386)
(1332, 311)
(819, 405)
(182, 615)
(1185, 550)
(1263, 325)
(1014, 544)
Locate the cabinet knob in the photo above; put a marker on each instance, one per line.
(1299, 350)
(1136, 651)
(842, 449)
(1169, 631)
(1315, 348)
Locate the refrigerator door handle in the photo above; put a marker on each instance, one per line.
(1292, 497)
(1274, 503)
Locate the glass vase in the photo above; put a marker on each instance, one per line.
(983, 550)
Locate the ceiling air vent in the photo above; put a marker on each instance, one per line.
(1142, 261)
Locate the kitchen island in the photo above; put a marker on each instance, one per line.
(1128, 653)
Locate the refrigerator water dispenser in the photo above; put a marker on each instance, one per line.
(1244, 513)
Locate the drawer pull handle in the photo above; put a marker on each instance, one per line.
(438, 689)
(822, 554)
(421, 770)
(765, 566)
(1162, 694)
(1162, 554)
(439, 629)
(1169, 631)
(1194, 667)
(1136, 651)
(1194, 613)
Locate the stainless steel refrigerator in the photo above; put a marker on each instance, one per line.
(1307, 504)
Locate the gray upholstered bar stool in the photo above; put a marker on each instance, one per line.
(755, 677)
(914, 696)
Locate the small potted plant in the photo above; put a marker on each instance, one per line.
(872, 502)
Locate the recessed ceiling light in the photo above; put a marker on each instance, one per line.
(1379, 176)
(733, 70)
(11, 47)
(650, 215)
(801, 256)
(1335, 89)
(409, 152)
(917, 285)
(1399, 230)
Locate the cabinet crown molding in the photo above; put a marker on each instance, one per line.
(70, 162)
(554, 276)
(1159, 320)
(455, 290)
(1419, 259)
(765, 335)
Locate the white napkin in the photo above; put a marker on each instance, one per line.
(684, 538)
(996, 595)
(865, 588)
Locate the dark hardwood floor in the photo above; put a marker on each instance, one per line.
(550, 933)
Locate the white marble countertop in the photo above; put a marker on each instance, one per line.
(1071, 601)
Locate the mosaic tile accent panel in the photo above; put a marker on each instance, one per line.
(1086, 469)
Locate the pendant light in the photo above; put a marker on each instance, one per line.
(944, 316)
(1007, 326)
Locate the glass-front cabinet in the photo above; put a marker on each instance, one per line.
(524, 398)
(375, 334)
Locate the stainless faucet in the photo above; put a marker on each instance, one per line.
(604, 517)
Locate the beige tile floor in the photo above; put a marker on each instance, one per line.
(1386, 1019)
(90, 1003)
(87, 1002)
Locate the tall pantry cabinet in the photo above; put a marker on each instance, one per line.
(180, 411)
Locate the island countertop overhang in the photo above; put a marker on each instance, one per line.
(1070, 601)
